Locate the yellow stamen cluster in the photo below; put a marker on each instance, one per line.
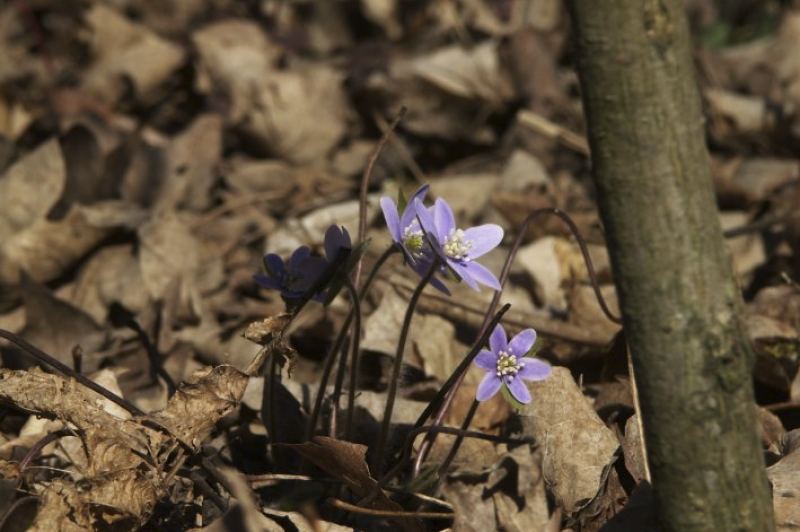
(455, 247)
(508, 366)
(413, 240)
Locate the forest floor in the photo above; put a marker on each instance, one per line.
(151, 154)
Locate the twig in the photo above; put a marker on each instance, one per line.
(62, 368)
(362, 195)
(338, 503)
(552, 130)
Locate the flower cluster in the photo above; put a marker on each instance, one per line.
(507, 366)
(302, 272)
(429, 235)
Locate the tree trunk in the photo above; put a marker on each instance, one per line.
(681, 306)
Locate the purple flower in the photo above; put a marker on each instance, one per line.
(405, 229)
(294, 278)
(458, 248)
(408, 234)
(506, 365)
(302, 271)
(336, 239)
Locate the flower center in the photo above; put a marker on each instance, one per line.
(288, 279)
(455, 247)
(413, 240)
(508, 366)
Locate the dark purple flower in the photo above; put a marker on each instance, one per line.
(458, 248)
(336, 238)
(506, 365)
(294, 278)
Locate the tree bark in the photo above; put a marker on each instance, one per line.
(681, 306)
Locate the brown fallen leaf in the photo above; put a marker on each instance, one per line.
(508, 495)
(578, 448)
(347, 463)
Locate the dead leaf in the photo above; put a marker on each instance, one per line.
(126, 52)
(168, 251)
(578, 448)
(508, 495)
(30, 188)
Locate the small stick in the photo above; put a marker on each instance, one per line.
(338, 503)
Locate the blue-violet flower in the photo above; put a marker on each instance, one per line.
(506, 365)
(294, 278)
(405, 229)
(458, 248)
(408, 235)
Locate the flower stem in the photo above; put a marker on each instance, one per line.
(383, 436)
(331, 357)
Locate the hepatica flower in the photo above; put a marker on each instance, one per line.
(295, 277)
(408, 235)
(458, 248)
(507, 366)
(405, 229)
(301, 272)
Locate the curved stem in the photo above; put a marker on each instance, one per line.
(362, 195)
(440, 415)
(331, 357)
(383, 436)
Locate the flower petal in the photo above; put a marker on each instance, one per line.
(309, 271)
(299, 255)
(498, 341)
(336, 238)
(534, 370)
(489, 386)
(267, 282)
(410, 212)
(484, 238)
(425, 218)
(522, 342)
(274, 264)
(519, 390)
(486, 360)
(392, 219)
(482, 274)
(464, 271)
(443, 219)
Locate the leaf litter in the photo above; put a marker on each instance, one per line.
(151, 154)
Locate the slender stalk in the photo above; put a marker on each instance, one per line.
(383, 436)
(355, 361)
(362, 195)
(62, 368)
(354, 346)
(459, 439)
(331, 357)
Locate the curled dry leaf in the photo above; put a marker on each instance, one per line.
(577, 446)
(124, 457)
(209, 394)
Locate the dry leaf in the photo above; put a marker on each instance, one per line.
(126, 52)
(578, 448)
(30, 188)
